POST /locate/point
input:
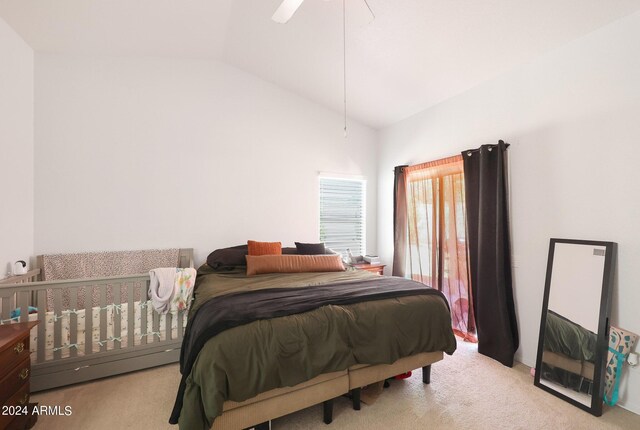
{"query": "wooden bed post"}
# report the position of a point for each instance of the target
(426, 374)
(355, 398)
(327, 411)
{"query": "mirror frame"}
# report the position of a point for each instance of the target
(602, 340)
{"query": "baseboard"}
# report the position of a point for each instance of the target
(518, 356)
(631, 407)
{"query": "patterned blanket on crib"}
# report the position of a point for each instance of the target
(99, 265)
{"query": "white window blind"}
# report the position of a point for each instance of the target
(342, 214)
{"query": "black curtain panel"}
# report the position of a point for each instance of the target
(399, 222)
(489, 247)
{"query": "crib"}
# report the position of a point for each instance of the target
(93, 327)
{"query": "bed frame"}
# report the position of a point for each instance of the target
(259, 410)
(70, 361)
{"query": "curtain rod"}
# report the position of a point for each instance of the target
(492, 145)
(468, 151)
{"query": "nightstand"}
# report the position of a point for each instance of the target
(15, 369)
(373, 268)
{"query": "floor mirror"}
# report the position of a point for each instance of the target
(574, 328)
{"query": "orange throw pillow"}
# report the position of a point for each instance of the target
(257, 265)
(264, 248)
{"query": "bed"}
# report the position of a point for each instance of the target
(260, 347)
(87, 330)
(569, 352)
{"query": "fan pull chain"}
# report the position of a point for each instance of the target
(344, 62)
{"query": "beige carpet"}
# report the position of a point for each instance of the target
(468, 391)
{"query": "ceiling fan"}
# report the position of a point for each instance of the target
(289, 7)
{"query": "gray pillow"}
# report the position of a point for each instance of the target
(310, 248)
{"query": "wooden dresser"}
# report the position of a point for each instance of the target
(374, 268)
(15, 369)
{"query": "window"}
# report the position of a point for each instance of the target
(342, 214)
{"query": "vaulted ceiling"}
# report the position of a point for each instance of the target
(415, 54)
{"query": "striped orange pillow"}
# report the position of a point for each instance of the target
(264, 248)
(257, 265)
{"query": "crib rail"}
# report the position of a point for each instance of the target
(30, 276)
(114, 336)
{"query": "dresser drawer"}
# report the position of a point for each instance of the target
(15, 353)
(15, 379)
(20, 399)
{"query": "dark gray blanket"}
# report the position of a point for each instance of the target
(232, 310)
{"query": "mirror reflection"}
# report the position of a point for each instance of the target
(569, 345)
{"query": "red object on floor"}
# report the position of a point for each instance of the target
(403, 376)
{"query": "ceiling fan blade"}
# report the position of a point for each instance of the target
(286, 10)
(373, 15)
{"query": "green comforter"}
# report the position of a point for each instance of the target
(563, 336)
(244, 361)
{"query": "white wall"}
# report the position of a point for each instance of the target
(148, 152)
(573, 119)
(16, 148)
